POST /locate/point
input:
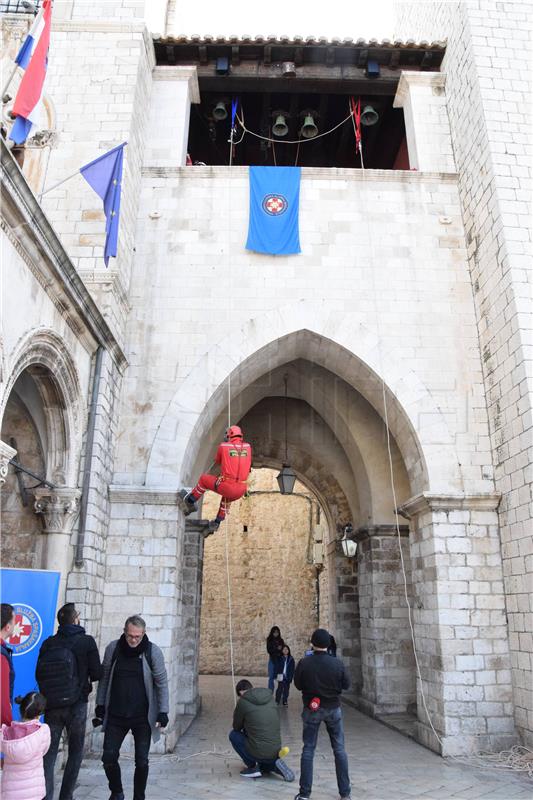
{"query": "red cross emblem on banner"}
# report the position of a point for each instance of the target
(275, 204)
(21, 630)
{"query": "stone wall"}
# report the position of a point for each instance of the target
(488, 72)
(273, 580)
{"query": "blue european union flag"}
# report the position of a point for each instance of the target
(274, 206)
(104, 174)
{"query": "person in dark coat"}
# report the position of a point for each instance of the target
(72, 717)
(285, 673)
(321, 680)
(274, 645)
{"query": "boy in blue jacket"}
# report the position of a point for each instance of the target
(285, 673)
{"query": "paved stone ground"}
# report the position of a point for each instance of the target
(384, 765)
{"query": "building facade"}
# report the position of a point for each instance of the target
(400, 330)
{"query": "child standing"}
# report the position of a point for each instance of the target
(24, 745)
(285, 667)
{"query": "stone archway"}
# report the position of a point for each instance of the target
(42, 417)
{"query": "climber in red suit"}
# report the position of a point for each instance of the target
(234, 456)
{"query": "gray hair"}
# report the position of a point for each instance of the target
(136, 621)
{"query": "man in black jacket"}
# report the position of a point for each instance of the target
(321, 678)
(66, 685)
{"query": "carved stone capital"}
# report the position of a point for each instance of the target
(6, 454)
(59, 508)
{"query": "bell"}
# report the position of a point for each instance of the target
(279, 128)
(369, 116)
(308, 130)
(219, 112)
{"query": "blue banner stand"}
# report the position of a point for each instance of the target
(33, 595)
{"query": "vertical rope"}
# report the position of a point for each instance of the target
(230, 615)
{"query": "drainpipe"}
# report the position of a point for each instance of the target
(89, 447)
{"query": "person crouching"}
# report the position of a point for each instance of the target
(256, 735)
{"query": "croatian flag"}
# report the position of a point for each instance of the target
(274, 210)
(32, 57)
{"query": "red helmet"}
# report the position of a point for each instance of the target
(234, 432)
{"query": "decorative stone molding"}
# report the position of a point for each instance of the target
(427, 501)
(59, 508)
(6, 454)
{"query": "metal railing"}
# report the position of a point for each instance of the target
(19, 6)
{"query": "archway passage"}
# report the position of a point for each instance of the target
(336, 443)
(278, 571)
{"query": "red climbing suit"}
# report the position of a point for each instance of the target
(235, 459)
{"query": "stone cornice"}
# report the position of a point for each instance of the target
(189, 74)
(432, 80)
(371, 531)
(369, 176)
(53, 269)
(143, 495)
(449, 502)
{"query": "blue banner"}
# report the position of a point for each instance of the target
(33, 595)
(274, 206)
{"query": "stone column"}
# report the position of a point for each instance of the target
(422, 97)
(388, 667)
(196, 531)
(460, 623)
(6, 454)
(174, 89)
(59, 509)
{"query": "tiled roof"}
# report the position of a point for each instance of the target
(384, 44)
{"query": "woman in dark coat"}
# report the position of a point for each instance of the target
(274, 644)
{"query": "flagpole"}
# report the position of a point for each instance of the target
(59, 183)
(6, 87)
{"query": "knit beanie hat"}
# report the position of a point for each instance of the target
(321, 638)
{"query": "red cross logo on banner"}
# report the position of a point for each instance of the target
(21, 630)
(275, 204)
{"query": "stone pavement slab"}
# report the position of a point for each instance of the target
(384, 765)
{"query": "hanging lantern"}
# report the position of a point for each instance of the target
(286, 479)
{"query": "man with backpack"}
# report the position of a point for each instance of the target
(321, 678)
(67, 666)
(132, 696)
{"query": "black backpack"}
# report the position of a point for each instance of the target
(57, 672)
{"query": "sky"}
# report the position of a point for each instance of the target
(330, 18)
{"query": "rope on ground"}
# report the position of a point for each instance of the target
(518, 759)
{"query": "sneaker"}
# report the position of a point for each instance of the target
(301, 797)
(186, 502)
(282, 769)
(251, 772)
(285, 704)
(116, 796)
